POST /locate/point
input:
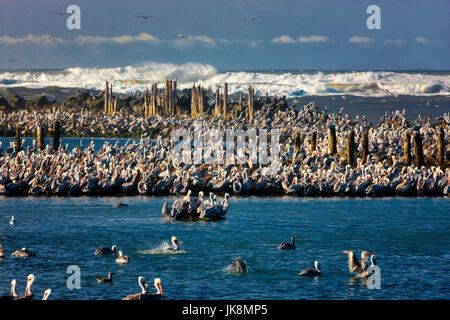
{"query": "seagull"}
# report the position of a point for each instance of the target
(145, 17)
(180, 35)
(61, 13)
(251, 18)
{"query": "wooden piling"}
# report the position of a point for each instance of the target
(241, 100)
(225, 100)
(350, 144)
(441, 146)
(313, 141)
(332, 139)
(40, 133)
(251, 95)
(407, 149)
(17, 141)
(217, 106)
(297, 143)
(56, 136)
(106, 97)
(418, 150)
(365, 146)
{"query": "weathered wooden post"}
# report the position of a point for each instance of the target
(40, 138)
(56, 136)
(193, 101)
(106, 97)
(332, 139)
(110, 101)
(241, 100)
(217, 106)
(146, 113)
(297, 143)
(174, 95)
(313, 141)
(17, 141)
(350, 152)
(251, 93)
(441, 146)
(407, 149)
(365, 146)
(115, 105)
(225, 100)
(418, 150)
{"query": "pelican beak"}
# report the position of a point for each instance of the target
(160, 287)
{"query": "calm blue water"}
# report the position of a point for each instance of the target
(410, 238)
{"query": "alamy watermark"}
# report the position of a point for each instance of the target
(208, 146)
(374, 280)
(74, 280)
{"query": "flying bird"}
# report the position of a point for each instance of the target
(145, 17)
(251, 18)
(180, 35)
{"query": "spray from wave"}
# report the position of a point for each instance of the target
(131, 79)
(163, 248)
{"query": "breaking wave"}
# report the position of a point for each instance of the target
(130, 79)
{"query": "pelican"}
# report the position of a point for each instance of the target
(2, 253)
(46, 294)
(13, 294)
(105, 280)
(159, 292)
(121, 258)
(238, 266)
(12, 221)
(28, 295)
(145, 17)
(106, 250)
(175, 244)
(355, 266)
(287, 245)
(139, 295)
(311, 272)
(120, 204)
(23, 253)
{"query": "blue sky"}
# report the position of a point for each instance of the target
(286, 34)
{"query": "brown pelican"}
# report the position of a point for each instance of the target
(355, 266)
(287, 245)
(120, 204)
(13, 294)
(105, 280)
(311, 272)
(175, 244)
(106, 250)
(139, 295)
(28, 295)
(46, 294)
(238, 266)
(23, 253)
(158, 295)
(2, 253)
(121, 258)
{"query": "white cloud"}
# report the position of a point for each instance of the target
(421, 40)
(313, 39)
(30, 38)
(398, 42)
(191, 40)
(123, 39)
(283, 39)
(357, 39)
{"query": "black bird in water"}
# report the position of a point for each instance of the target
(105, 280)
(145, 17)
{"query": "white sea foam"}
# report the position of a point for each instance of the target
(163, 248)
(290, 83)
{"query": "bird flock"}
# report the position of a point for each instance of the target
(148, 166)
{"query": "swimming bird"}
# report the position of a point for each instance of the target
(46, 294)
(105, 280)
(121, 258)
(12, 221)
(287, 245)
(355, 266)
(28, 295)
(106, 250)
(2, 253)
(120, 204)
(175, 244)
(139, 295)
(311, 272)
(23, 253)
(238, 266)
(13, 294)
(158, 295)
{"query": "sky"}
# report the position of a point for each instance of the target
(285, 34)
